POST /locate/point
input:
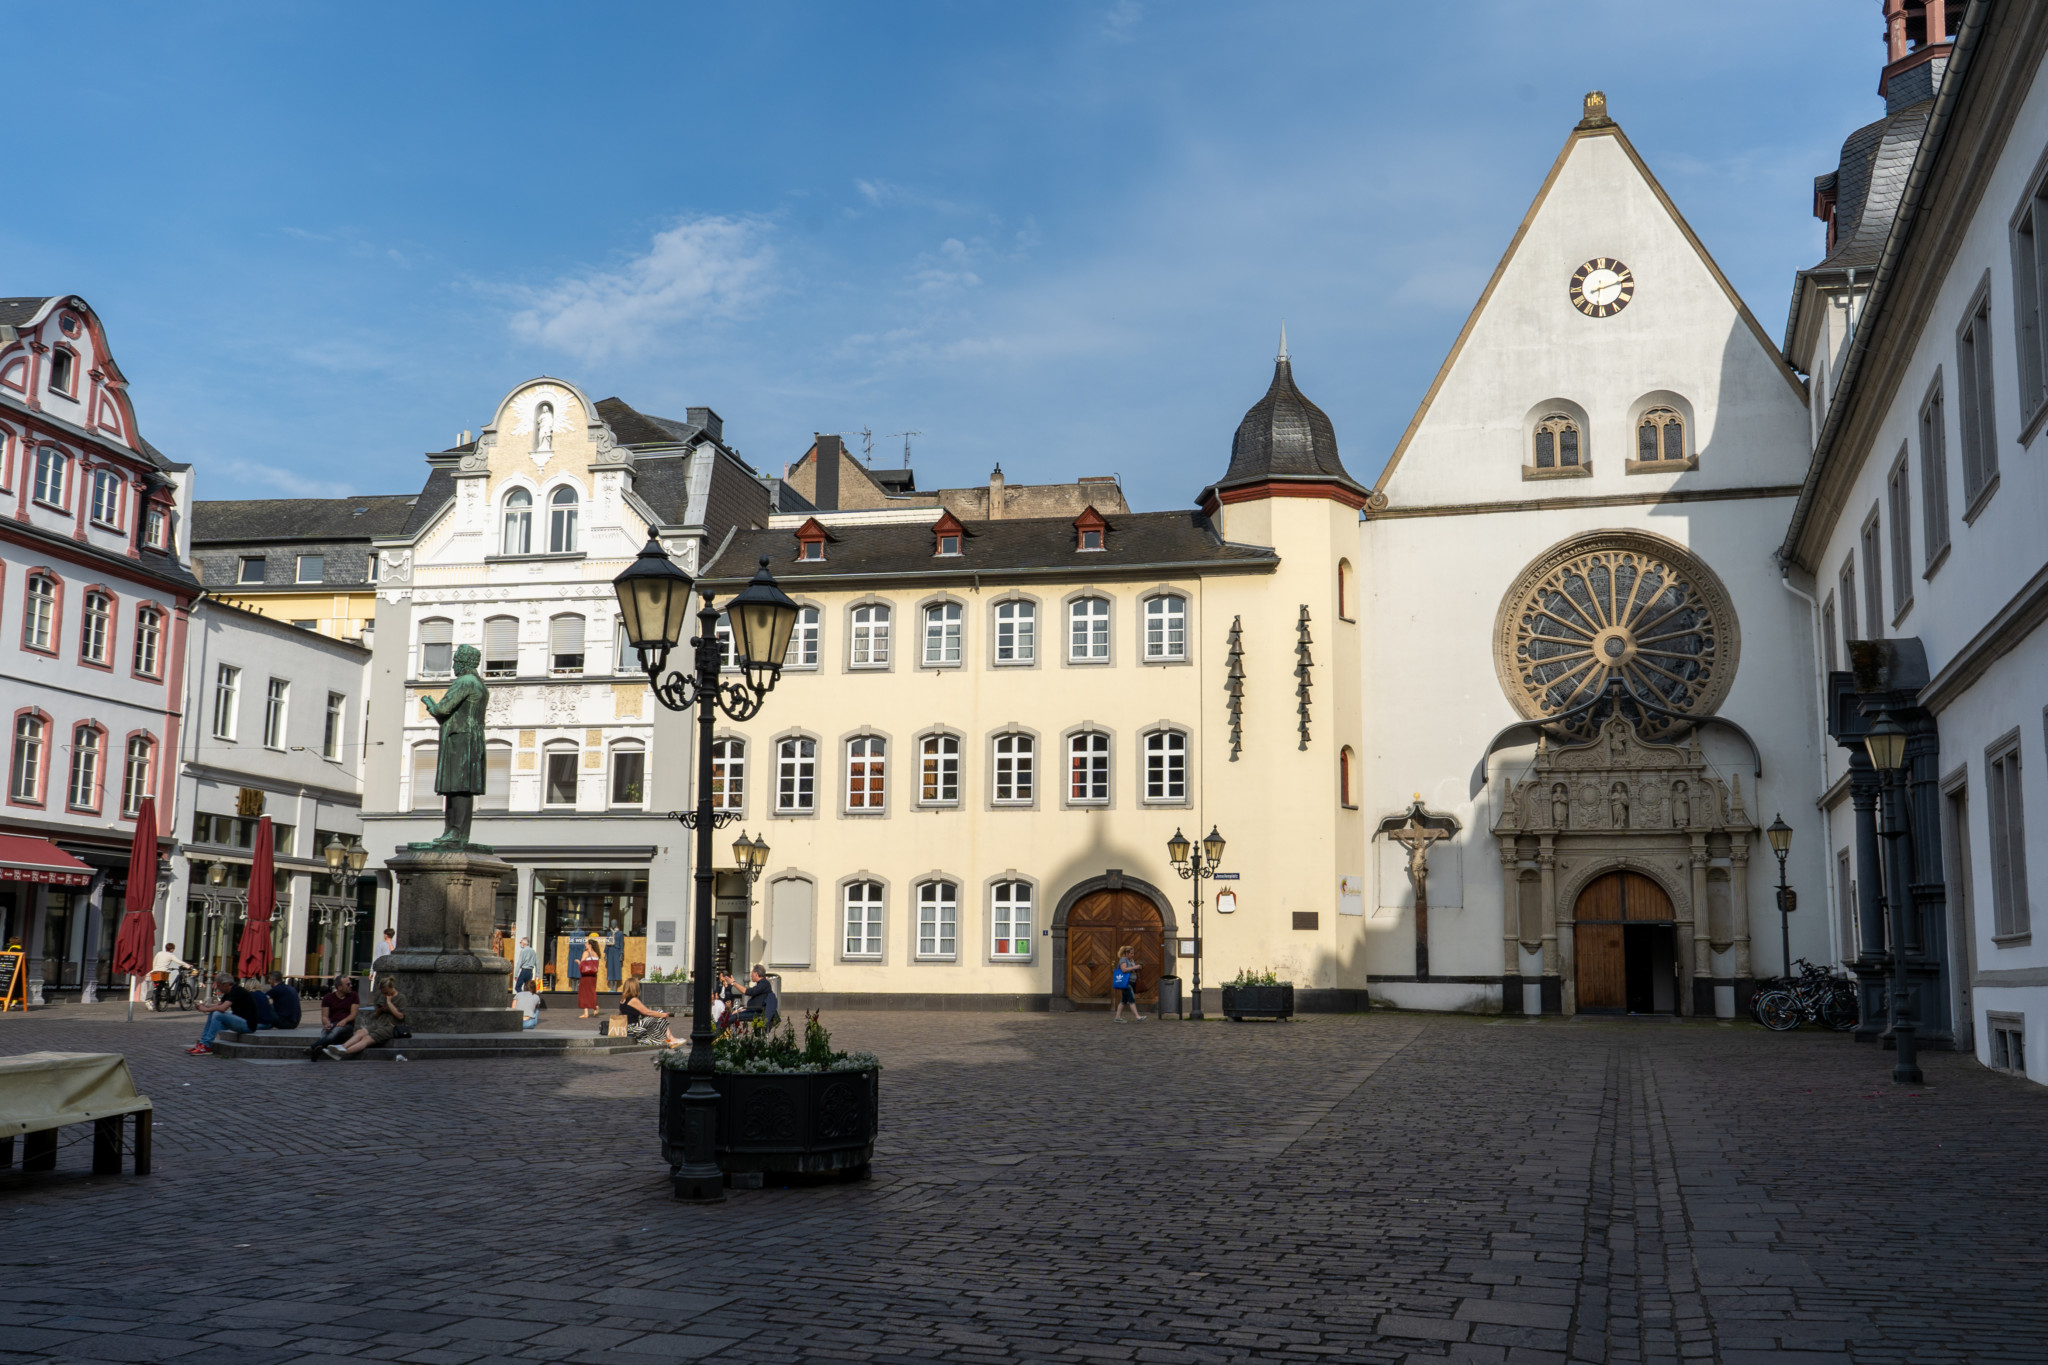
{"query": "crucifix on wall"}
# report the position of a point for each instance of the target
(1417, 830)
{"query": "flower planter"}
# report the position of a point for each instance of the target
(1271, 1002)
(673, 996)
(812, 1123)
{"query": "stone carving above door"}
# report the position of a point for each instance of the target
(1616, 605)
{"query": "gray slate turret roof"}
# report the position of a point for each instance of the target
(1285, 436)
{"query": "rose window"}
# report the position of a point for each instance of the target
(1615, 608)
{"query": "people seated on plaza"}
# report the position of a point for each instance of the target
(644, 1024)
(761, 1002)
(527, 1002)
(383, 1025)
(338, 1009)
(234, 1012)
(284, 999)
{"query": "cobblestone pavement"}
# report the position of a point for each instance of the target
(1373, 1188)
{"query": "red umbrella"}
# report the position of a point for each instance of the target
(135, 945)
(255, 955)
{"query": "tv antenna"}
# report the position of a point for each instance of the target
(867, 442)
(906, 435)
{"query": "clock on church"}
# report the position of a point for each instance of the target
(1602, 287)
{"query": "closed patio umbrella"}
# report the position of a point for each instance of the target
(135, 944)
(254, 959)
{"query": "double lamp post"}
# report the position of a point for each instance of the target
(1195, 862)
(654, 600)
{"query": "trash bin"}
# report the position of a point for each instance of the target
(1169, 996)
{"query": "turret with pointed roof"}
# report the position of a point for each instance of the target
(1284, 447)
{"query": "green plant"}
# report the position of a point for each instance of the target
(1262, 977)
(758, 1048)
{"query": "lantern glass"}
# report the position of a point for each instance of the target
(743, 852)
(763, 618)
(1780, 835)
(357, 855)
(336, 854)
(654, 599)
(1886, 741)
(760, 852)
(1177, 848)
(1212, 847)
(216, 874)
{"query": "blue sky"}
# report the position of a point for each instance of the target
(1061, 236)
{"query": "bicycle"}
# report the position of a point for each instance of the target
(1818, 995)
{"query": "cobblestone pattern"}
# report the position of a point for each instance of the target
(1057, 1187)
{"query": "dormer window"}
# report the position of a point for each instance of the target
(63, 371)
(811, 538)
(947, 534)
(153, 528)
(1090, 530)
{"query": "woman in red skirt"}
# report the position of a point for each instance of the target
(586, 986)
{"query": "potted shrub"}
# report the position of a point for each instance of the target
(1258, 993)
(668, 991)
(786, 1106)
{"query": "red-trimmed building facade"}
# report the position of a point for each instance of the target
(96, 592)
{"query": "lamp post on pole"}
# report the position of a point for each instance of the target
(654, 598)
(1886, 741)
(1195, 862)
(750, 856)
(1780, 835)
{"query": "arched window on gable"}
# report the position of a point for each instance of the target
(1557, 442)
(518, 537)
(1660, 435)
(562, 521)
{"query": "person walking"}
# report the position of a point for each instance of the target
(1123, 983)
(525, 967)
(382, 1027)
(586, 984)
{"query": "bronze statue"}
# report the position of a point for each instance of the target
(459, 774)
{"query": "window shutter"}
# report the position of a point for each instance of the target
(501, 639)
(790, 923)
(565, 635)
(437, 632)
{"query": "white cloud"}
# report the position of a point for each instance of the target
(702, 267)
(949, 269)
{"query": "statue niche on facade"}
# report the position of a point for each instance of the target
(459, 773)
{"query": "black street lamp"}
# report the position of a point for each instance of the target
(1193, 863)
(1780, 835)
(654, 597)
(1886, 741)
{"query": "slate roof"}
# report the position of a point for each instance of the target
(1038, 547)
(631, 427)
(1869, 183)
(1285, 436)
(274, 520)
(15, 312)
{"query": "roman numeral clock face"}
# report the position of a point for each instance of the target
(1602, 287)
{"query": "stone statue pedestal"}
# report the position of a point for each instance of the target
(449, 980)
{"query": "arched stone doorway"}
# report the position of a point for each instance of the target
(1097, 917)
(1625, 944)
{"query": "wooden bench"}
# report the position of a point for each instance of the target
(41, 1092)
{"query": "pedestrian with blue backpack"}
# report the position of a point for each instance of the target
(1123, 984)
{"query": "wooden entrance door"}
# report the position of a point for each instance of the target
(1609, 903)
(1098, 925)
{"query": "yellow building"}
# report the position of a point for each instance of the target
(306, 561)
(987, 731)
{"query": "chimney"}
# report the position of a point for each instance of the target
(828, 451)
(995, 494)
(710, 422)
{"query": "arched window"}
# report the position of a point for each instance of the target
(149, 636)
(85, 768)
(796, 776)
(25, 780)
(1660, 435)
(1010, 919)
(562, 521)
(1088, 630)
(1166, 766)
(1557, 442)
(1166, 627)
(136, 774)
(728, 774)
(518, 536)
(866, 761)
(939, 778)
(803, 641)
(629, 775)
(95, 628)
(942, 633)
(1088, 767)
(1014, 755)
(558, 774)
(39, 625)
(1344, 590)
(1345, 760)
(938, 920)
(1016, 632)
(871, 636)
(863, 919)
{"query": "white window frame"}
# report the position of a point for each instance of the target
(428, 669)
(942, 634)
(1012, 920)
(106, 498)
(867, 762)
(803, 639)
(1976, 402)
(562, 515)
(52, 468)
(938, 769)
(515, 535)
(1165, 617)
(135, 773)
(95, 628)
(1166, 753)
(548, 754)
(1089, 752)
(242, 566)
(149, 640)
(88, 748)
(1088, 630)
(227, 706)
(611, 785)
(1014, 756)
(2005, 808)
(1016, 633)
(1934, 475)
(330, 734)
(299, 569)
(277, 696)
(25, 763)
(1899, 524)
(860, 920)
(938, 921)
(39, 630)
(796, 775)
(868, 635)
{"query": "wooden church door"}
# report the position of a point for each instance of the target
(1099, 924)
(1607, 907)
